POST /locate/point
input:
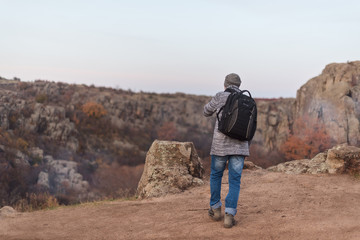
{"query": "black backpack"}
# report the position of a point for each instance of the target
(239, 115)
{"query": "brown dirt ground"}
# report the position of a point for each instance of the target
(271, 206)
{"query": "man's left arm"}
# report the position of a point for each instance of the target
(212, 106)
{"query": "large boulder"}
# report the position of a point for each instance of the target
(339, 159)
(170, 167)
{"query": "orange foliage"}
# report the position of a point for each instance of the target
(167, 131)
(92, 109)
(22, 145)
(309, 138)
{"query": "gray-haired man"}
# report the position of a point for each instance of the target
(225, 149)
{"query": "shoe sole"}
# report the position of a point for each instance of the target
(228, 226)
(216, 218)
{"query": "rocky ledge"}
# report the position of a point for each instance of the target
(339, 159)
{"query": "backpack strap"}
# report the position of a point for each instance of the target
(246, 91)
(229, 90)
(217, 114)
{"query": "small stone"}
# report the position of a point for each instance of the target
(7, 212)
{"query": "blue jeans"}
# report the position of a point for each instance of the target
(218, 163)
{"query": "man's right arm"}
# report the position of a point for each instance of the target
(212, 106)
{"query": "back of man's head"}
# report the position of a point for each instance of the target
(232, 79)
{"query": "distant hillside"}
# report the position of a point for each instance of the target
(46, 125)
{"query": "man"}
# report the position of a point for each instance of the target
(225, 149)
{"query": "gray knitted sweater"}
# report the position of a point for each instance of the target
(223, 145)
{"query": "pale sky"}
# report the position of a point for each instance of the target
(177, 46)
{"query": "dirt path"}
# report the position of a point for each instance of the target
(271, 206)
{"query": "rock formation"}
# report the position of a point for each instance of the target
(275, 118)
(250, 165)
(339, 159)
(52, 122)
(333, 97)
(62, 175)
(170, 167)
(7, 211)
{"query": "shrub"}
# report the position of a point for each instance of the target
(309, 138)
(38, 201)
(41, 98)
(22, 145)
(95, 110)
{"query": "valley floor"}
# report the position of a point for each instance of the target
(271, 206)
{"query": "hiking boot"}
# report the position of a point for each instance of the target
(215, 214)
(229, 220)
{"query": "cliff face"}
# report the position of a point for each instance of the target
(275, 118)
(333, 97)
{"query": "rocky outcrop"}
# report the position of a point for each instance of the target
(52, 122)
(170, 167)
(250, 165)
(62, 175)
(22, 112)
(275, 118)
(339, 159)
(343, 159)
(333, 97)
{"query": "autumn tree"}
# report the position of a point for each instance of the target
(92, 109)
(309, 137)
